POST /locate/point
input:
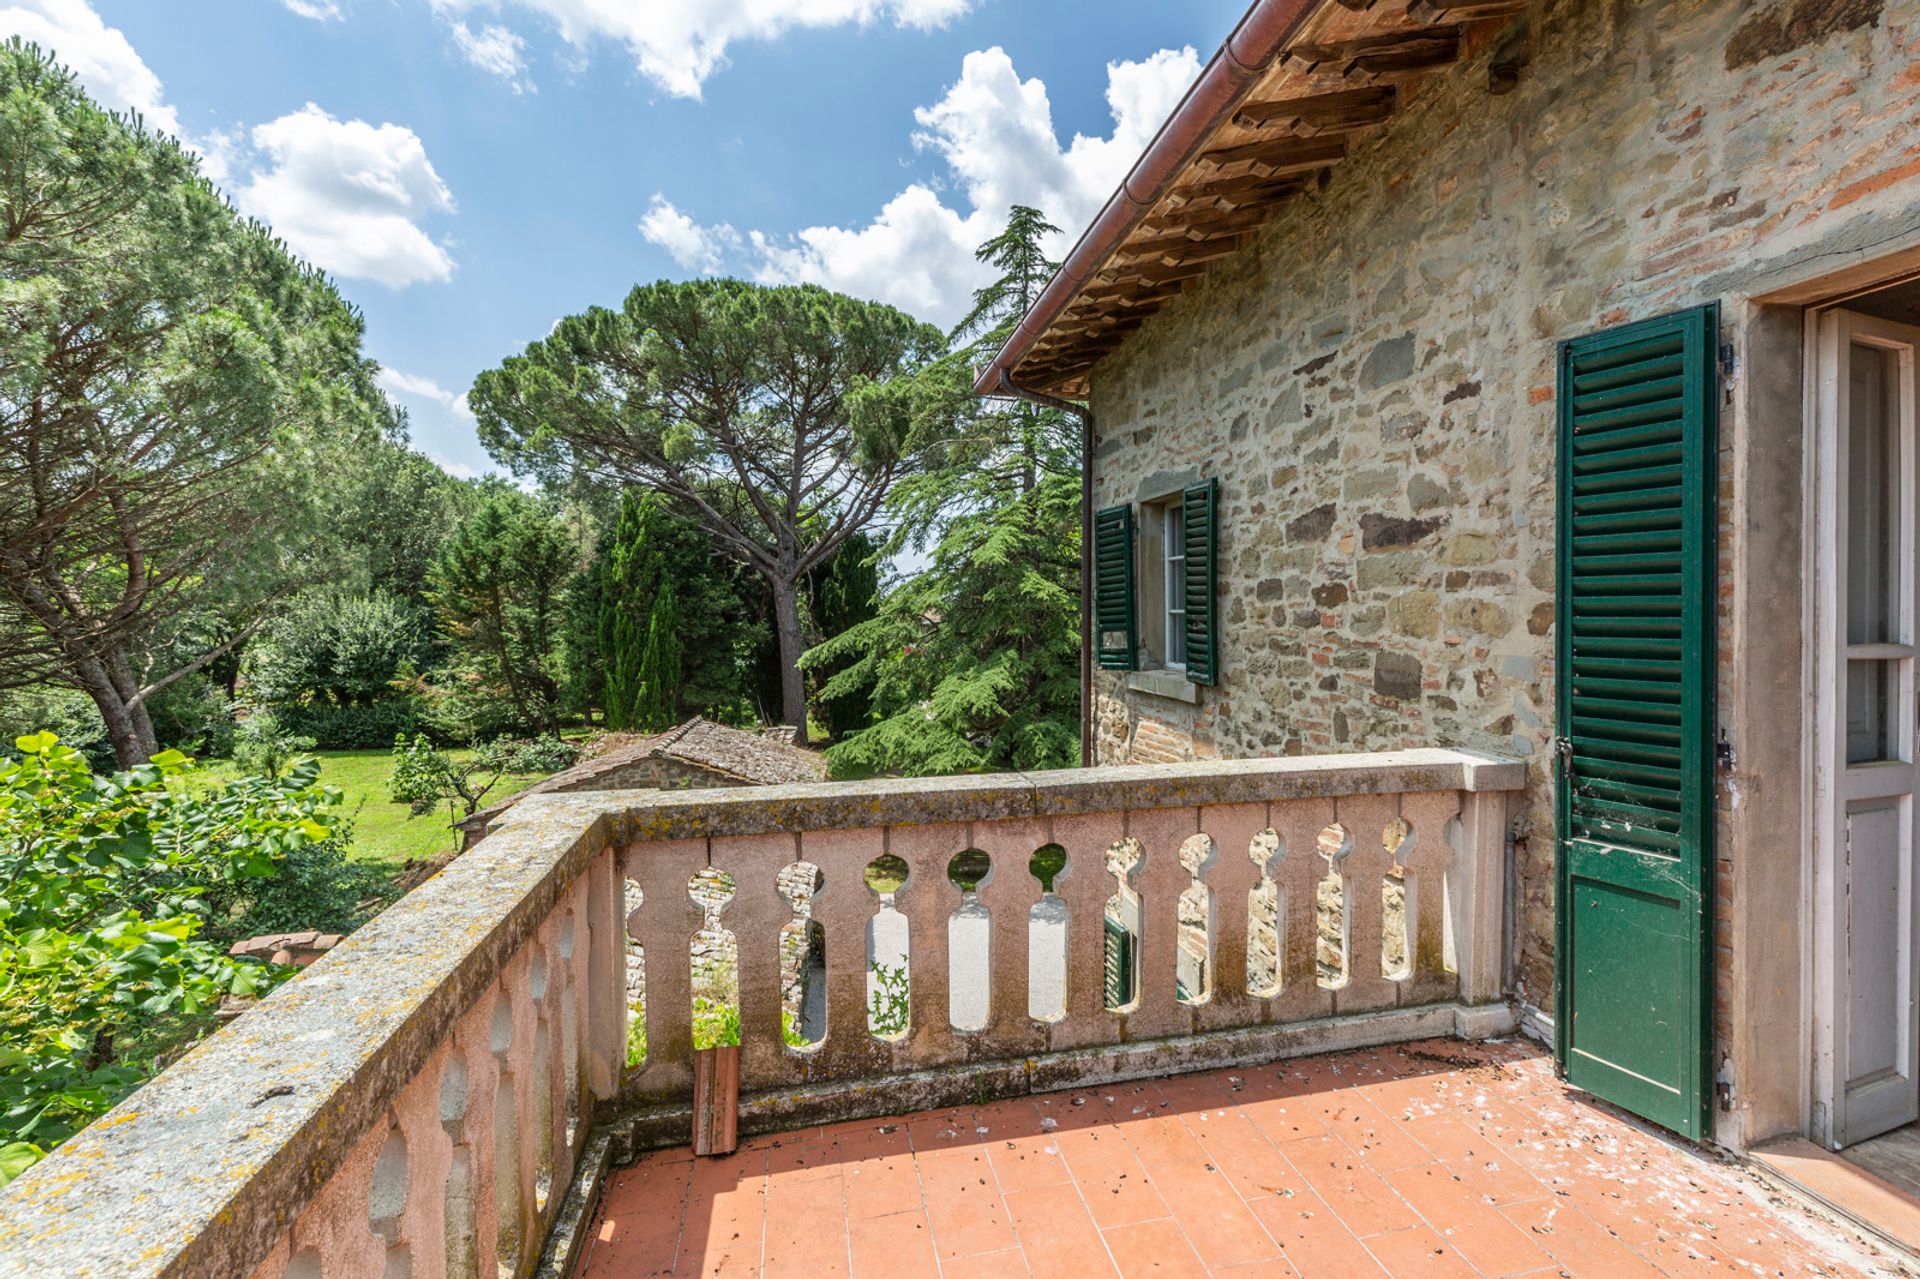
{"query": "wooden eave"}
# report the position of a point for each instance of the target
(1349, 67)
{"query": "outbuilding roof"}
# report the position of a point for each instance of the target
(734, 754)
(1286, 98)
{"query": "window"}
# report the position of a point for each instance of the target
(1174, 540)
(1177, 583)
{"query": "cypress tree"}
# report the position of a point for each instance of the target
(657, 693)
(633, 574)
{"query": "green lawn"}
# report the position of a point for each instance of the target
(382, 830)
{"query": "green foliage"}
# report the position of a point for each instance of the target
(193, 715)
(176, 393)
(263, 747)
(104, 961)
(846, 593)
(400, 506)
(636, 1038)
(317, 886)
(720, 622)
(974, 662)
(632, 568)
(716, 1024)
(733, 400)
(583, 668)
(498, 584)
(424, 776)
(542, 755)
(889, 1007)
(353, 727)
(67, 713)
(334, 649)
(657, 682)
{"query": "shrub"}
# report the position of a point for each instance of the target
(104, 968)
(540, 755)
(425, 776)
(347, 728)
(193, 715)
(67, 713)
(336, 650)
(316, 886)
(262, 747)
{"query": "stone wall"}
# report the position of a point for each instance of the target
(1372, 378)
(658, 774)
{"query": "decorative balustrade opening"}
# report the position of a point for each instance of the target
(1047, 937)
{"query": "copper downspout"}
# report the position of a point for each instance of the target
(1265, 29)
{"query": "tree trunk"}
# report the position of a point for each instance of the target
(793, 688)
(128, 726)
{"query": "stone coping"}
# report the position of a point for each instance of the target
(203, 1170)
(760, 810)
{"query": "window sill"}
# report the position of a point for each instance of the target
(1168, 684)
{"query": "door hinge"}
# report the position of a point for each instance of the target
(1563, 755)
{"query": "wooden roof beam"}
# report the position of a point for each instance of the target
(1183, 248)
(1378, 59)
(1131, 294)
(1198, 222)
(1152, 272)
(1336, 112)
(1279, 157)
(1463, 10)
(1247, 189)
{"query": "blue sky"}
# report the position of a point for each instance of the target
(471, 170)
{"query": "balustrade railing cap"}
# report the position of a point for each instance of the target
(682, 814)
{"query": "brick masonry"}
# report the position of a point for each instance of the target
(1372, 378)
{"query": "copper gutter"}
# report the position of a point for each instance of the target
(1266, 28)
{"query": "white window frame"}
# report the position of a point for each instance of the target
(1173, 565)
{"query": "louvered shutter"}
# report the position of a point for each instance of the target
(1636, 537)
(1114, 634)
(1199, 514)
(1118, 948)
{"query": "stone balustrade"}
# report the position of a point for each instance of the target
(422, 1100)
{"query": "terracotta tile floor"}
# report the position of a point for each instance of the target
(1420, 1161)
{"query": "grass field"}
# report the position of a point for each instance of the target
(382, 830)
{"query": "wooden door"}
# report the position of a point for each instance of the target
(1866, 424)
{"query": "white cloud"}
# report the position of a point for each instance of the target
(98, 54)
(696, 248)
(995, 133)
(349, 195)
(408, 386)
(318, 10)
(439, 423)
(495, 50)
(678, 44)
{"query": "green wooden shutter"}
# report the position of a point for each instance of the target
(1119, 962)
(1634, 782)
(1114, 631)
(1199, 512)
